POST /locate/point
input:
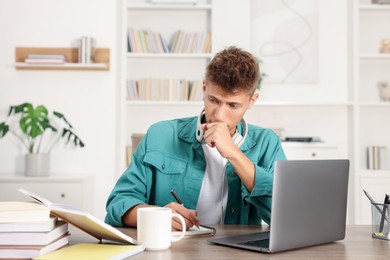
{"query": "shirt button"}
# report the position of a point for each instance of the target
(233, 209)
(163, 166)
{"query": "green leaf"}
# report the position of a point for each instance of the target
(61, 116)
(70, 134)
(34, 121)
(4, 128)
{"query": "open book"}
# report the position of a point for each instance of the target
(82, 220)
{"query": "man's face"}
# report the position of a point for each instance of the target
(228, 108)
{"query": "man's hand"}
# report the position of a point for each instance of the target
(188, 215)
(218, 135)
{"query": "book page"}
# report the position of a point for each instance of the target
(36, 197)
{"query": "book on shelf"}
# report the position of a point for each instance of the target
(20, 211)
(29, 226)
(86, 46)
(34, 238)
(207, 43)
(46, 56)
(196, 92)
(146, 41)
(150, 41)
(151, 89)
(132, 90)
(30, 251)
(45, 59)
(93, 251)
(190, 42)
(82, 220)
(137, 40)
(177, 45)
(159, 42)
(173, 41)
(164, 43)
(141, 36)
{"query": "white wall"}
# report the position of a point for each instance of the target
(87, 98)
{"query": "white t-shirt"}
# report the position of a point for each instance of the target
(212, 200)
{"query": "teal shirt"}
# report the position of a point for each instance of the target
(170, 157)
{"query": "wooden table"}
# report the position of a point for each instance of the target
(358, 244)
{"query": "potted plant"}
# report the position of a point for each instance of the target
(32, 127)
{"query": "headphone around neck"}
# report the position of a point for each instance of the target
(238, 139)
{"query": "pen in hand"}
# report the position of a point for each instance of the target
(177, 198)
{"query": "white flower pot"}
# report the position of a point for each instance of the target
(37, 165)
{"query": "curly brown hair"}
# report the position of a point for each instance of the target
(233, 69)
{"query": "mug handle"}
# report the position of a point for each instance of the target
(183, 224)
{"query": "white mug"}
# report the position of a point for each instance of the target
(154, 227)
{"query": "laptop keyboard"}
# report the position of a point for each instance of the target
(264, 243)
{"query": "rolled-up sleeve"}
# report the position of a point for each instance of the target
(129, 191)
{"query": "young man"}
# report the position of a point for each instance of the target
(220, 167)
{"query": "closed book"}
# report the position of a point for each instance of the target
(131, 40)
(44, 61)
(141, 35)
(94, 251)
(137, 41)
(34, 238)
(37, 226)
(19, 211)
(29, 251)
(46, 56)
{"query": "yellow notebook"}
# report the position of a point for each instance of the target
(93, 251)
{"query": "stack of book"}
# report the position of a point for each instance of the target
(28, 230)
(45, 59)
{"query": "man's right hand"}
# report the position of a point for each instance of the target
(188, 215)
(130, 217)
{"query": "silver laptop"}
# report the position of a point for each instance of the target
(309, 207)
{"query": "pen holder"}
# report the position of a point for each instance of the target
(380, 220)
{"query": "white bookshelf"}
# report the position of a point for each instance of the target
(370, 23)
(164, 19)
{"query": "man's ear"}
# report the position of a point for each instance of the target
(254, 97)
(204, 85)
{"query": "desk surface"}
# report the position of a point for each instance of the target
(358, 244)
